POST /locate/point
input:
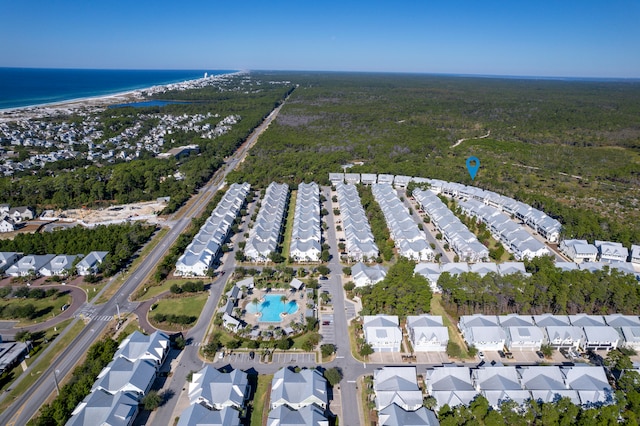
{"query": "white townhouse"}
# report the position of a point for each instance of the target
(612, 251)
(579, 250)
(635, 254)
(427, 333)
(382, 332)
(397, 385)
(91, 262)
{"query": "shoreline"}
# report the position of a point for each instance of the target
(31, 111)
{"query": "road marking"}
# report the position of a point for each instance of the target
(351, 381)
(339, 357)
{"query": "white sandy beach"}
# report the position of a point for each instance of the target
(74, 105)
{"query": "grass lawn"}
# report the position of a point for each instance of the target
(260, 409)
(93, 289)
(117, 283)
(189, 305)
(353, 343)
(45, 309)
(44, 362)
(286, 242)
(449, 322)
(153, 291)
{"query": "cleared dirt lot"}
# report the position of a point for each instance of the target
(118, 213)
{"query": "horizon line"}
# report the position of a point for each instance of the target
(426, 73)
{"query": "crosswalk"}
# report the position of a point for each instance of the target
(104, 318)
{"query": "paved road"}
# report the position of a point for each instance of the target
(25, 406)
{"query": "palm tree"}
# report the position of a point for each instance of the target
(284, 299)
(255, 302)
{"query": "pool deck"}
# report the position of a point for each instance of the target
(253, 319)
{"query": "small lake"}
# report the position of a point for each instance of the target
(145, 104)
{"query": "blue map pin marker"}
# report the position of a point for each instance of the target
(473, 164)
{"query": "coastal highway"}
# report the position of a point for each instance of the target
(27, 405)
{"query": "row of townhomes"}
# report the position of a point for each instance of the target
(426, 333)
(360, 244)
(454, 232)
(266, 232)
(432, 271)
(217, 398)
(546, 226)
(581, 251)
(458, 385)
(398, 398)
(513, 237)
(563, 332)
(410, 241)
(298, 398)
(201, 253)
(306, 242)
(12, 217)
(121, 385)
(16, 265)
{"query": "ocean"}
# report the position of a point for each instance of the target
(20, 87)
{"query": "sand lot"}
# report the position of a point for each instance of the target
(118, 213)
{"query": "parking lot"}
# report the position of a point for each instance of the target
(327, 329)
(306, 358)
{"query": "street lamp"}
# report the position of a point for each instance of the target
(55, 379)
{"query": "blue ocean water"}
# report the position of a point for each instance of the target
(21, 87)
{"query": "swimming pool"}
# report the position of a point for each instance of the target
(271, 308)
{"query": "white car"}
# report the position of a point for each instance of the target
(481, 355)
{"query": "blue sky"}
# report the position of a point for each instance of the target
(518, 37)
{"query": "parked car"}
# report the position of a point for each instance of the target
(481, 355)
(501, 353)
(540, 354)
(252, 355)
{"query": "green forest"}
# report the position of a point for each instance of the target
(401, 292)
(571, 148)
(547, 290)
(121, 241)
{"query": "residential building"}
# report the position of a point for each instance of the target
(122, 375)
(199, 415)
(610, 251)
(579, 250)
(427, 333)
(217, 390)
(564, 336)
(267, 229)
(363, 275)
(102, 408)
(7, 259)
(524, 338)
(153, 347)
(91, 262)
(394, 415)
(397, 385)
(450, 385)
(382, 332)
(306, 235)
(298, 390)
(29, 265)
(546, 383)
(60, 265)
(499, 384)
(309, 415)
